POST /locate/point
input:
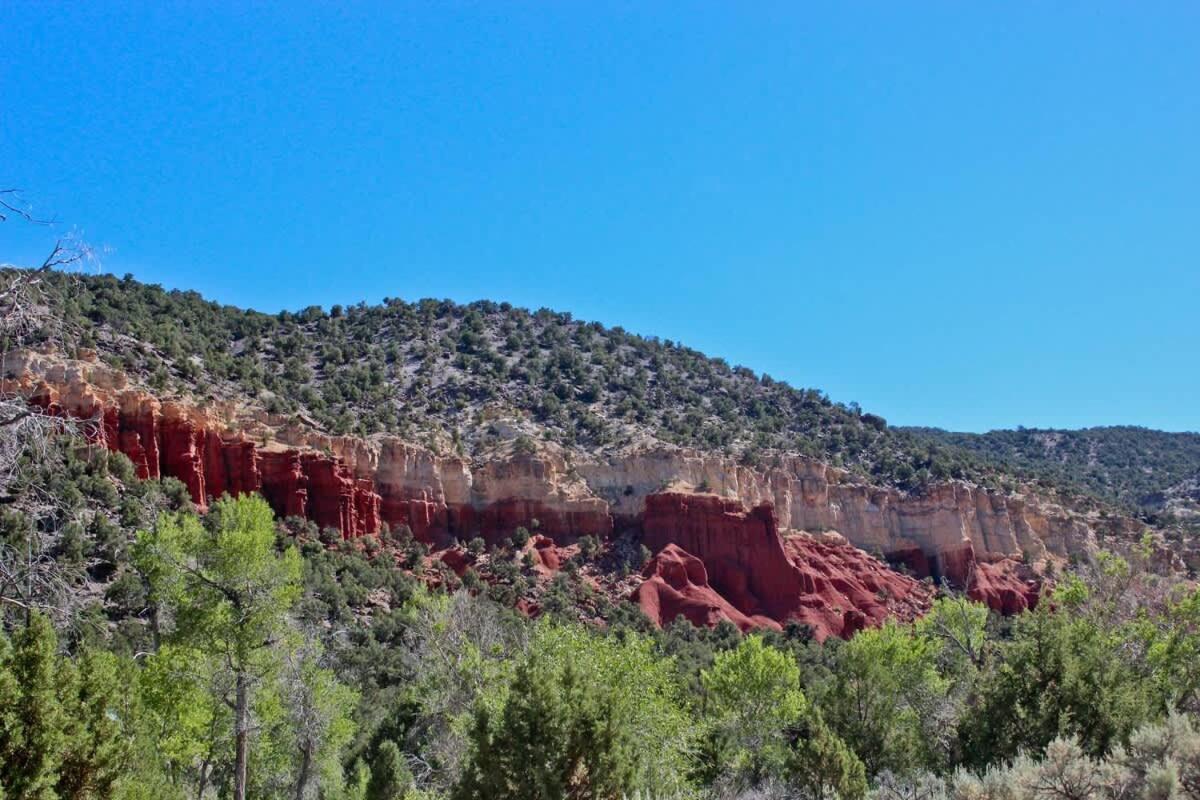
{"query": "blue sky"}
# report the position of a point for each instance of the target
(971, 215)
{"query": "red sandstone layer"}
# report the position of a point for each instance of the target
(747, 566)
(747, 572)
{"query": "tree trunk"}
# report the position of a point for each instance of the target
(304, 776)
(242, 737)
(203, 782)
(155, 628)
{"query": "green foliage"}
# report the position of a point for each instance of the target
(883, 695)
(224, 583)
(102, 717)
(752, 694)
(461, 697)
(959, 627)
(574, 722)
(230, 655)
(69, 728)
(317, 722)
(391, 779)
(1172, 650)
(184, 696)
(1061, 675)
(1136, 467)
(86, 531)
(520, 537)
(431, 367)
(762, 726)
(820, 764)
(239, 617)
(1161, 761)
(33, 719)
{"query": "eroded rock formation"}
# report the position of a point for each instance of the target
(746, 566)
(676, 584)
(745, 525)
(1007, 586)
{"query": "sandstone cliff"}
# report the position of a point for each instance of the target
(356, 485)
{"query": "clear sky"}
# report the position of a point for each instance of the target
(971, 215)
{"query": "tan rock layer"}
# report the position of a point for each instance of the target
(356, 484)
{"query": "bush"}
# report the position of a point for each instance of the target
(520, 537)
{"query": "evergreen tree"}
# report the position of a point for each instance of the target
(820, 764)
(1062, 675)
(391, 778)
(229, 592)
(32, 720)
(68, 726)
(100, 707)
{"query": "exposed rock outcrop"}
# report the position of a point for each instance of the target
(1006, 586)
(835, 588)
(697, 501)
(676, 584)
(927, 531)
(167, 438)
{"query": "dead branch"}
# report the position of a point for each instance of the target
(8, 200)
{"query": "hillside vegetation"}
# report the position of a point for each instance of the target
(443, 373)
(467, 377)
(160, 654)
(148, 651)
(1154, 471)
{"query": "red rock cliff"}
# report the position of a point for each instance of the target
(766, 580)
(173, 440)
(758, 566)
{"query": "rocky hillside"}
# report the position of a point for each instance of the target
(1147, 470)
(463, 378)
(755, 502)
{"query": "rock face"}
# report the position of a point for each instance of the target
(1005, 586)
(741, 549)
(834, 588)
(676, 584)
(444, 497)
(168, 439)
(742, 523)
(927, 531)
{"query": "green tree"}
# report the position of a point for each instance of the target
(959, 626)
(68, 727)
(32, 719)
(229, 592)
(752, 694)
(1062, 675)
(575, 722)
(884, 695)
(101, 710)
(764, 727)
(1172, 647)
(184, 692)
(820, 764)
(391, 778)
(317, 719)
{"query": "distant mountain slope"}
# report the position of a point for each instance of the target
(1150, 470)
(463, 376)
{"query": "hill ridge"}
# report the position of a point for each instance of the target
(467, 378)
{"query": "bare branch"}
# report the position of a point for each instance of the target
(8, 200)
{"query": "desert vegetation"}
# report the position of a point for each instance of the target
(152, 652)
